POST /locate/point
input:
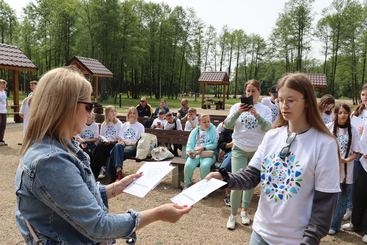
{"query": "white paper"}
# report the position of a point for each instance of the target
(104, 139)
(357, 122)
(195, 193)
(153, 173)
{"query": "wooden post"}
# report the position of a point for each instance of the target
(95, 89)
(224, 96)
(202, 88)
(17, 118)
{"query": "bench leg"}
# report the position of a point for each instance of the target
(177, 176)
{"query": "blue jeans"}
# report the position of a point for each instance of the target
(118, 154)
(341, 206)
(256, 239)
(226, 164)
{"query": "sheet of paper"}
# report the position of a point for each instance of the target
(357, 122)
(195, 193)
(153, 173)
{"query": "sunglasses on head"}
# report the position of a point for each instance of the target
(88, 105)
(285, 151)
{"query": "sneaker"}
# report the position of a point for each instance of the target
(227, 201)
(119, 175)
(231, 223)
(245, 218)
(332, 232)
(102, 173)
(2, 143)
(364, 238)
(347, 214)
(348, 227)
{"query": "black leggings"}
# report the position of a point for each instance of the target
(2, 125)
(100, 156)
(359, 214)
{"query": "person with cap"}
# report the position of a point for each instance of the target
(173, 123)
(144, 109)
(159, 122)
(272, 103)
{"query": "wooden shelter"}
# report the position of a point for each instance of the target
(91, 68)
(217, 79)
(318, 81)
(13, 59)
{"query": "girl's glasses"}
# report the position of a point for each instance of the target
(88, 105)
(285, 151)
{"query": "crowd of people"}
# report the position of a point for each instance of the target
(309, 159)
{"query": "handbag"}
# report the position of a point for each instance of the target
(161, 153)
(207, 153)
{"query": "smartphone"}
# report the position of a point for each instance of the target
(247, 100)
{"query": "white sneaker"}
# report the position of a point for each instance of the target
(364, 238)
(245, 218)
(231, 223)
(102, 173)
(348, 227)
(347, 214)
(332, 232)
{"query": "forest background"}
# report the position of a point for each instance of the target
(159, 51)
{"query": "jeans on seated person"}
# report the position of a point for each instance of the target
(341, 207)
(118, 154)
(226, 164)
(256, 239)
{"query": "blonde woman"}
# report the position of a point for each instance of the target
(126, 146)
(58, 199)
(110, 133)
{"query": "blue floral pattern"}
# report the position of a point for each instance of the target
(110, 132)
(343, 143)
(129, 134)
(248, 120)
(87, 134)
(280, 180)
(274, 112)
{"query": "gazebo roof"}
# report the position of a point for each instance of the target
(90, 66)
(318, 80)
(11, 57)
(214, 78)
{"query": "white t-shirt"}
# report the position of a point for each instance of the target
(168, 125)
(3, 102)
(274, 107)
(25, 110)
(327, 118)
(363, 115)
(343, 138)
(364, 147)
(111, 131)
(131, 132)
(90, 131)
(191, 125)
(247, 134)
(155, 122)
(287, 187)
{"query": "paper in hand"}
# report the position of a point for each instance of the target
(195, 193)
(153, 173)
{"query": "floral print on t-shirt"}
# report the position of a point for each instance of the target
(87, 134)
(129, 134)
(343, 143)
(248, 120)
(110, 132)
(280, 180)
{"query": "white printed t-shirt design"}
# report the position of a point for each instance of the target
(131, 132)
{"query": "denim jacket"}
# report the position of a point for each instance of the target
(57, 194)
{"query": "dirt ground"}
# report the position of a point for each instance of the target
(205, 224)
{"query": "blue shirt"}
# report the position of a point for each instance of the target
(57, 194)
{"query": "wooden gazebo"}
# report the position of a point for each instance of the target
(91, 68)
(13, 59)
(318, 81)
(213, 78)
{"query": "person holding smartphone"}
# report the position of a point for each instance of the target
(249, 121)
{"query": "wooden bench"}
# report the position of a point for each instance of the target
(173, 137)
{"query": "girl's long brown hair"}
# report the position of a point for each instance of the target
(361, 106)
(300, 83)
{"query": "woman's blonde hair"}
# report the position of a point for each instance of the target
(106, 111)
(54, 105)
(300, 83)
(131, 110)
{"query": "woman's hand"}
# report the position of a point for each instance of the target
(243, 108)
(123, 183)
(171, 212)
(252, 110)
(215, 175)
